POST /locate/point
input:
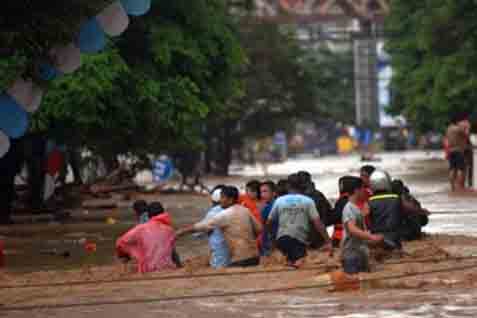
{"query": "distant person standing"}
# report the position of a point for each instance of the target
(457, 138)
(365, 141)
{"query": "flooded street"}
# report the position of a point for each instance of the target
(424, 173)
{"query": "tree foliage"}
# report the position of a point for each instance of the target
(433, 45)
(30, 29)
(285, 82)
(149, 92)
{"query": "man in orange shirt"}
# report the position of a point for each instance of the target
(251, 199)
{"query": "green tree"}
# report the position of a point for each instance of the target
(433, 47)
(285, 82)
(149, 92)
(31, 28)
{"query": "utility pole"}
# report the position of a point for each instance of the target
(365, 75)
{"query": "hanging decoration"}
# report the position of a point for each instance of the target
(24, 96)
(48, 72)
(13, 119)
(26, 93)
(91, 38)
(67, 58)
(136, 7)
(114, 19)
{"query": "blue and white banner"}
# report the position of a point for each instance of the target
(162, 170)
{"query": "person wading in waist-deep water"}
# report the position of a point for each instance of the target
(294, 212)
(322, 205)
(414, 217)
(355, 252)
(268, 195)
(385, 210)
(239, 227)
(251, 199)
(344, 186)
(152, 244)
(219, 250)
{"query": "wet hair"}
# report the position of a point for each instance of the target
(140, 207)
(254, 186)
(368, 169)
(231, 192)
(270, 184)
(282, 187)
(354, 183)
(295, 182)
(304, 175)
(344, 184)
(306, 181)
(155, 208)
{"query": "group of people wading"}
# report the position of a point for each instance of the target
(291, 216)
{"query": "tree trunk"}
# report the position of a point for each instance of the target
(111, 163)
(74, 156)
(208, 153)
(225, 154)
(10, 165)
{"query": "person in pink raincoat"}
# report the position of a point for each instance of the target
(152, 244)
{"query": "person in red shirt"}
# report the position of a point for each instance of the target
(152, 244)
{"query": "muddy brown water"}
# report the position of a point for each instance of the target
(33, 247)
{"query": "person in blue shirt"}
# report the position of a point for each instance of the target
(296, 214)
(219, 250)
(268, 195)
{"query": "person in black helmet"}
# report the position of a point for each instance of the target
(385, 210)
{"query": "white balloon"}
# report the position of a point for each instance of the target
(67, 58)
(26, 93)
(49, 188)
(143, 178)
(4, 144)
(114, 19)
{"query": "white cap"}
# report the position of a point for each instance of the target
(215, 196)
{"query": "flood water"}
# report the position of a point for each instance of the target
(425, 174)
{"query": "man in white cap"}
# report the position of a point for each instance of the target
(219, 250)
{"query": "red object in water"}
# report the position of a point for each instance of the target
(2, 255)
(90, 247)
(55, 162)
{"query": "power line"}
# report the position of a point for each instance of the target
(220, 295)
(160, 278)
(209, 275)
